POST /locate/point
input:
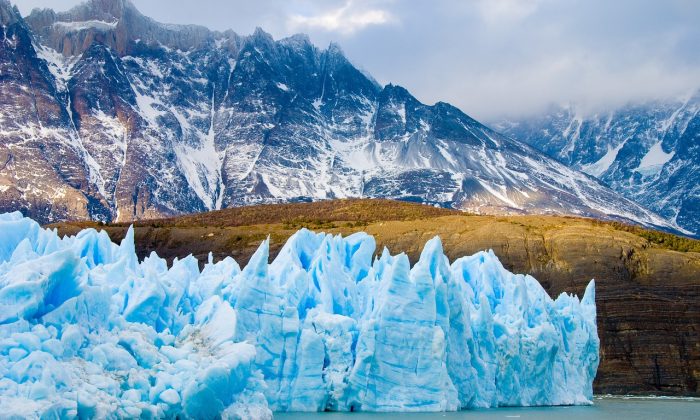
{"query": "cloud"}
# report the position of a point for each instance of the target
(346, 19)
(498, 11)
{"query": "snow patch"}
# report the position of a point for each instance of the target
(86, 24)
(401, 110)
(598, 168)
(202, 166)
(501, 195)
(60, 67)
(146, 109)
(654, 160)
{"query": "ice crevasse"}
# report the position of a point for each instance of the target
(88, 330)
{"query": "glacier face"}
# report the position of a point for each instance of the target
(86, 329)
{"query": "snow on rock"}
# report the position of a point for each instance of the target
(654, 160)
(85, 25)
(87, 330)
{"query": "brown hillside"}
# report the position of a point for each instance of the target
(648, 292)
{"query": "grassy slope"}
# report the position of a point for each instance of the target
(648, 283)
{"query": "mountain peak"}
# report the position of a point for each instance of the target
(297, 40)
(260, 35)
(393, 89)
(120, 19)
(108, 11)
(260, 39)
(8, 13)
(335, 49)
(335, 55)
(107, 8)
(395, 93)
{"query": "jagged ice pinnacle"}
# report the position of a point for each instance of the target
(88, 330)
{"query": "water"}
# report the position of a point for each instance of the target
(607, 408)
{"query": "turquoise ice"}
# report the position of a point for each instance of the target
(88, 330)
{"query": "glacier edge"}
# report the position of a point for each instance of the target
(88, 330)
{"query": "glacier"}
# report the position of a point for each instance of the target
(88, 330)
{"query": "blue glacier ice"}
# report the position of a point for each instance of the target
(88, 330)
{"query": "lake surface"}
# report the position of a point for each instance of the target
(612, 408)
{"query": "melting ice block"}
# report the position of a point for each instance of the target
(88, 330)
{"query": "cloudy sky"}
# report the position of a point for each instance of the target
(492, 58)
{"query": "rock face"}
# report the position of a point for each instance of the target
(109, 115)
(114, 23)
(42, 159)
(647, 151)
(646, 296)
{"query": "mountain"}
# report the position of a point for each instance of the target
(109, 115)
(647, 151)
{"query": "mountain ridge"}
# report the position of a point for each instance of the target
(644, 150)
(141, 129)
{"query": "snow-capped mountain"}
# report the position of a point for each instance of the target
(650, 152)
(107, 114)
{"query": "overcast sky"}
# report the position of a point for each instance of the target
(491, 58)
